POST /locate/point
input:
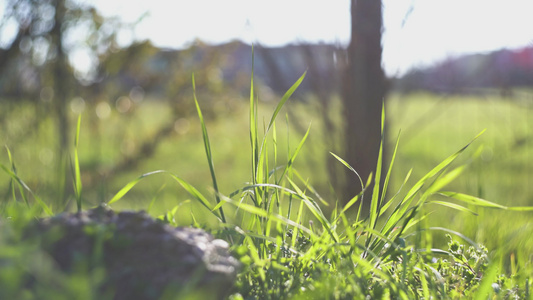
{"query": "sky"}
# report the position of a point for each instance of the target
(416, 33)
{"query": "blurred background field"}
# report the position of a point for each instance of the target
(138, 115)
(432, 127)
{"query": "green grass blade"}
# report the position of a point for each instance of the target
(482, 202)
(472, 200)
(295, 154)
(284, 99)
(464, 237)
(208, 152)
(271, 201)
(444, 180)
(152, 202)
(262, 185)
(374, 202)
(263, 157)
(12, 183)
(262, 213)
(77, 172)
(349, 167)
(370, 269)
(408, 199)
(310, 188)
(391, 200)
(261, 174)
(520, 208)
(22, 184)
(195, 193)
(254, 140)
(350, 233)
(384, 206)
(346, 207)
(298, 221)
(316, 211)
(424, 283)
(275, 145)
(185, 185)
(454, 206)
(254, 253)
(123, 191)
(219, 205)
(42, 204)
(444, 164)
(485, 289)
(415, 222)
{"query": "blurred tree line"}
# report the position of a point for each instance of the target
(501, 71)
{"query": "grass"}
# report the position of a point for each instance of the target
(286, 258)
(293, 248)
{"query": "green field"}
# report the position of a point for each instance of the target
(432, 127)
(435, 126)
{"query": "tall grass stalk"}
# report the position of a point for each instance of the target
(209, 155)
(76, 167)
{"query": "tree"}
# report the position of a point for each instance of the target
(363, 94)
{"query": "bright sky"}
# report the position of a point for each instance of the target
(416, 33)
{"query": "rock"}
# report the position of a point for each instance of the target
(143, 258)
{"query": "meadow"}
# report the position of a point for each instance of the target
(502, 172)
(433, 127)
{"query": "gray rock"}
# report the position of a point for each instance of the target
(142, 257)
